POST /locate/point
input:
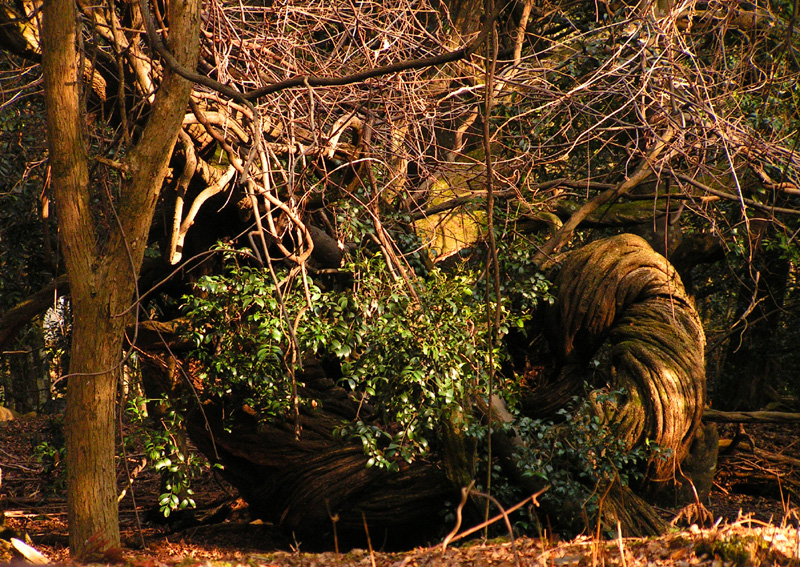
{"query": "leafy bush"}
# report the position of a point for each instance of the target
(581, 456)
(418, 358)
(165, 448)
(415, 361)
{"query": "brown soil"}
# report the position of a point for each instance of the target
(754, 520)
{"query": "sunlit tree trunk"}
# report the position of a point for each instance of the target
(103, 262)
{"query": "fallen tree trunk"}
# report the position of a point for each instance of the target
(717, 416)
(316, 484)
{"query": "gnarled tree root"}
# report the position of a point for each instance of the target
(622, 316)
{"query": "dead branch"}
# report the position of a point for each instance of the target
(363, 76)
(718, 416)
(777, 458)
(731, 197)
(645, 170)
(178, 237)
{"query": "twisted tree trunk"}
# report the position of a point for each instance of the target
(622, 318)
(316, 486)
(619, 304)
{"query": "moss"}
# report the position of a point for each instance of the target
(740, 550)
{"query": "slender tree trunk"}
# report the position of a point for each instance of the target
(103, 262)
(89, 423)
(90, 427)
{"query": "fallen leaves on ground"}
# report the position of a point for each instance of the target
(33, 500)
(742, 543)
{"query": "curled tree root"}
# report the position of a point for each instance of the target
(622, 310)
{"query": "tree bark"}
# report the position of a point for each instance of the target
(103, 263)
(89, 419)
(621, 305)
(316, 486)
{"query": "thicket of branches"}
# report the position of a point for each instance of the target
(704, 91)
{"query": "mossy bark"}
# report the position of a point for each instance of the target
(623, 321)
(620, 298)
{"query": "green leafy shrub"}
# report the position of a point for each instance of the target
(417, 358)
(51, 456)
(166, 450)
(581, 456)
(416, 361)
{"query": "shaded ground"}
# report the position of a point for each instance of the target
(753, 503)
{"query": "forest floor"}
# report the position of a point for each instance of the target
(755, 519)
